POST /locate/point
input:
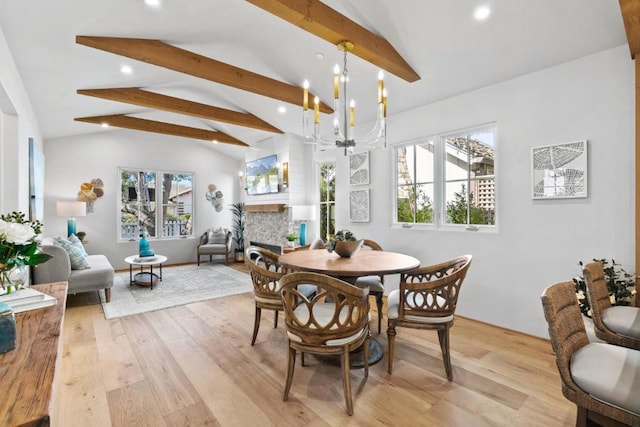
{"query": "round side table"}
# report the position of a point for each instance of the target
(145, 278)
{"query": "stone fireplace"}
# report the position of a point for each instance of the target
(267, 224)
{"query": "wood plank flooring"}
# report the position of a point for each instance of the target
(193, 365)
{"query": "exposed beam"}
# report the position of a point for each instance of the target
(128, 122)
(631, 17)
(164, 55)
(319, 19)
(136, 96)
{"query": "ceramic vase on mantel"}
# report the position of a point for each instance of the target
(13, 279)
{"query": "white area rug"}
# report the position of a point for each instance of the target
(180, 285)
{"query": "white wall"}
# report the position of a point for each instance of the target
(72, 161)
(537, 242)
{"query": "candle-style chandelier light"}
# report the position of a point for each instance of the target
(344, 113)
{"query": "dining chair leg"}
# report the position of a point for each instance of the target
(291, 362)
(366, 354)
(379, 305)
(346, 382)
(302, 358)
(275, 320)
(256, 324)
(443, 337)
(391, 339)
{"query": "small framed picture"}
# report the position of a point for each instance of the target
(359, 205)
(359, 168)
(559, 171)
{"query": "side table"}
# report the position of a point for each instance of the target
(145, 278)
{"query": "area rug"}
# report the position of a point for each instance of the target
(180, 285)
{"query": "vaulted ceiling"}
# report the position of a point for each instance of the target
(220, 69)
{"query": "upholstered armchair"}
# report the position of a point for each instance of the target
(215, 241)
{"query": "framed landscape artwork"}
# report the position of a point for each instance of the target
(559, 171)
(359, 205)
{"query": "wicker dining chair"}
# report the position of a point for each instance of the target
(266, 272)
(618, 325)
(427, 299)
(601, 379)
(375, 282)
(334, 322)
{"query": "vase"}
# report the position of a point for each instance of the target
(13, 279)
(346, 249)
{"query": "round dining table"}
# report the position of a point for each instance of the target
(363, 263)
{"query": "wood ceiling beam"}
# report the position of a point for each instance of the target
(165, 55)
(128, 122)
(631, 17)
(326, 23)
(137, 96)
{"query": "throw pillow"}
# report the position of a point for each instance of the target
(78, 243)
(77, 259)
(217, 236)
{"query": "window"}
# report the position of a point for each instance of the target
(327, 200)
(447, 179)
(139, 211)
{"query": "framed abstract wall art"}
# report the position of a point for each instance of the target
(359, 168)
(359, 205)
(559, 171)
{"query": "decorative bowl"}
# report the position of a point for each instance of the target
(347, 248)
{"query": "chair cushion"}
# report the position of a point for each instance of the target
(217, 236)
(373, 282)
(393, 302)
(608, 373)
(77, 256)
(213, 249)
(623, 320)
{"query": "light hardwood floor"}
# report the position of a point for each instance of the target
(194, 366)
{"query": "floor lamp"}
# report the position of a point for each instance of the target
(71, 210)
(303, 213)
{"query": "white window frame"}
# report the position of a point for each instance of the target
(159, 220)
(439, 190)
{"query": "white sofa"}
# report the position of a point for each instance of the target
(100, 275)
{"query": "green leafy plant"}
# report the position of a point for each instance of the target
(238, 225)
(621, 285)
(341, 235)
(291, 237)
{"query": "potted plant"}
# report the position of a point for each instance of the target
(238, 230)
(291, 237)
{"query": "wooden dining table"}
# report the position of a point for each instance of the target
(362, 263)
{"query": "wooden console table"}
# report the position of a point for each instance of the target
(27, 372)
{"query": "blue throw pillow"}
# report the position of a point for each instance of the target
(76, 257)
(78, 243)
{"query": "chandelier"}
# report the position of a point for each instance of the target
(344, 113)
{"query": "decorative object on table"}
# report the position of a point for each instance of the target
(90, 192)
(359, 205)
(237, 209)
(143, 247)
(359, 168)
(303, 213)
(18, 248)
(71, 210)
(345, 244)
(27, 299)
(7, 328)
(291, 238)
(560, 170)
(81, 235)
(215, 196)
(621, 285)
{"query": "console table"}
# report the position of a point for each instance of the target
(27, 372)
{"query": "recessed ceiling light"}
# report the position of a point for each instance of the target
(282, 109)
(105, 125)
(125, 69)
(152, 3)
(481, 13)
(215, 141)
(319, 56)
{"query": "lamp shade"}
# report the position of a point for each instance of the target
(303, 213)
(71, 209)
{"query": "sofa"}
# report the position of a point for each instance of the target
(99, 275)
(215, 241)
